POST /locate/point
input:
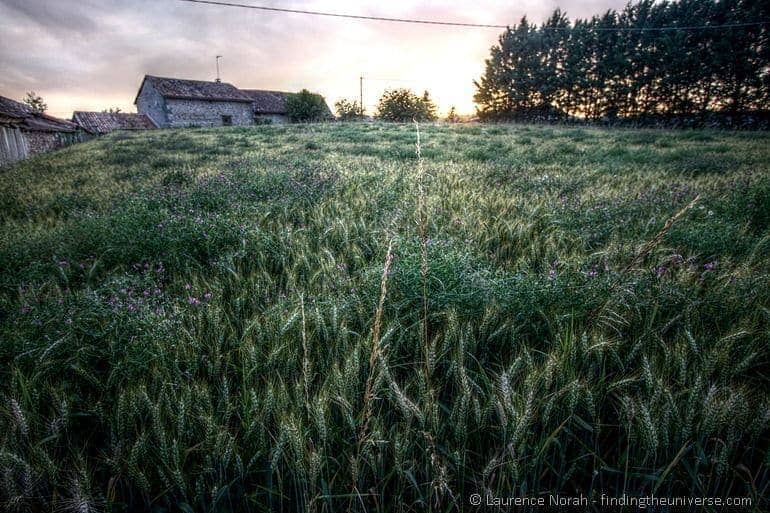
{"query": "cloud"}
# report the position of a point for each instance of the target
(92, 54)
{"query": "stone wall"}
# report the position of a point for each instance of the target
(201, 113)
(152, 104)
(42, 142)
(271, 119)
(17, 144)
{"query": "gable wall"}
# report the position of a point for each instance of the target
(152, 104)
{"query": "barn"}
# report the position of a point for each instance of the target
(25, 133)
(176, 103)
(100, 123)
(269, 106)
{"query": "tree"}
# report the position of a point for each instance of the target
(619, 65)
(404, 105)
(348, 110)
(513, 75)
(430, 112)
(113, 110)
(35, 102)
(305, 106)
(452, 116)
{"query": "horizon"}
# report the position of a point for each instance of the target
(67, 53)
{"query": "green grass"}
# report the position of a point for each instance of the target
(187, 317)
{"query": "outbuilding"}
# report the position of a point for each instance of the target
(100, 123)
(25, 132)
(177, 103)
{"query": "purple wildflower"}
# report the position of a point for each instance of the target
(187, 286)
(193, 301)
(207, 296)
(661, 270)
(710, 266)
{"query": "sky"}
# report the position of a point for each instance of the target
(92, 54)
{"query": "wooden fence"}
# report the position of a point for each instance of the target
(13, 145)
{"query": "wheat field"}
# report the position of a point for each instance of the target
(329, 318)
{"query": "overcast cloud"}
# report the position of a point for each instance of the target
(92, 54)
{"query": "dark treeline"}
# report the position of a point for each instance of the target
(588, 69)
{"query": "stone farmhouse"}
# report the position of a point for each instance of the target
(100, 123)
(177, 103)
(25, 132)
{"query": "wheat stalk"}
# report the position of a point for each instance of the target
(374, 360)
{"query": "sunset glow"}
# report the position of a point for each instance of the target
(92, 54)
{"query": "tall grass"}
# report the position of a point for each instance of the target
(228, 320)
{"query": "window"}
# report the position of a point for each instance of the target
(227, 120)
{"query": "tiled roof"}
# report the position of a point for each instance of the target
(13, 109)
(196, 89)
(105, 122)
(267, 102)
(24, 117)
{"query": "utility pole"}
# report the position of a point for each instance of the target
(361, 94)
(218, 57)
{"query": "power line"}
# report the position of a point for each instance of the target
(339, 15)
(471, 25)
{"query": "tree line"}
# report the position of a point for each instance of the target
(394, 105)
(620, 65)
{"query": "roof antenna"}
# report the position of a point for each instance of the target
(218, 57)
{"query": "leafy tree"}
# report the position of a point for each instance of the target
(306, 107)
(348, 110)
(35, 102)
(404, 105)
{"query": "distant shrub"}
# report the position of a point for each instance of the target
(348, 110)
(404, 105)
(305, 106)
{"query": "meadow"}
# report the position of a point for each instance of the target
(318, 318)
